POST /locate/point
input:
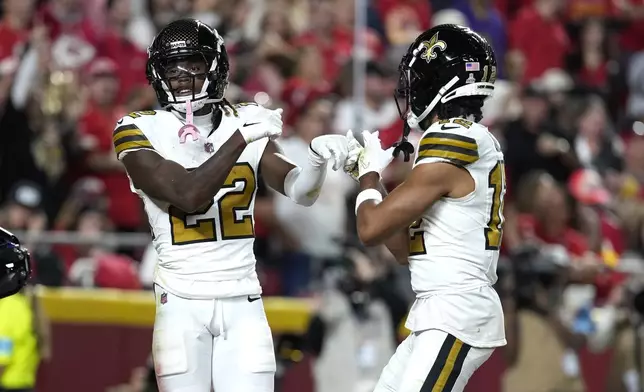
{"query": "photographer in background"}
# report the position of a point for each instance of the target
(541, 350)
(546, 291)
(24, 211)
(626, 368)
(352, 313)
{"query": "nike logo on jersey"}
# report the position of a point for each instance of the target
(249, 124)
(119, 121)
(445, 127)
(250, 299)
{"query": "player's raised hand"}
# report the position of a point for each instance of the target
(373, 157)
(355, 149)
(268, 123)
(329, 148)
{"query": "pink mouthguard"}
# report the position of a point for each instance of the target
(188, 129)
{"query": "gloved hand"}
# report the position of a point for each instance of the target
(355, 149)
(267, 123)
(329, 148)
(373, 157)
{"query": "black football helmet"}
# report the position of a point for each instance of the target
(15, 264)
(444, 63)
(180, 40)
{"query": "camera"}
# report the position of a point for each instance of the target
(533, 268)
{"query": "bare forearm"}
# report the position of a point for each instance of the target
(398, 241)
(364, 216)
(202, 184)
(398, 244)
(185, 189)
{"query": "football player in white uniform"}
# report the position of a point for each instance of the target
(195, 165)
(445, 220)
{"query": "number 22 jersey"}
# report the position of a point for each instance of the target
(209, 253)
(454, 246)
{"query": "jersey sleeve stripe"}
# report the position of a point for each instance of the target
(129, 137)
(457, 149)
(126, 130)
(449, 139)
(455, 155)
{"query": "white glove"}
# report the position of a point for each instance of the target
(329, 148)
(373, 157)
(355, 149)
(267, 123)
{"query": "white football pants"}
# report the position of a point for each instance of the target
(431, 361)
(225, 344)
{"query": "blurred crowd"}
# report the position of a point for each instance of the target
(568, 109)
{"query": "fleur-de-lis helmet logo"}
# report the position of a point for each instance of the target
(431, 47)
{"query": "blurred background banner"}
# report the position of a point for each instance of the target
(568, 111)
(114, 329)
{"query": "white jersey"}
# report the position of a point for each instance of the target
(454, 246)
(209, 253)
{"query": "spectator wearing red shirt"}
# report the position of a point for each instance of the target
(632, 12)
(404, 20)
(309, 80)
(131, 61)
(334, 44)
(333, 36)
(547, 218)
(509, 8)
(73, 37)
(14, 30)
(95, 128)
(590, 64)
(606, 234)
(538, 39)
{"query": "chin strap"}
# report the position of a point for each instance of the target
(403, 145)
(189, 128)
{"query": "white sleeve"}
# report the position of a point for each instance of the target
(303, 184)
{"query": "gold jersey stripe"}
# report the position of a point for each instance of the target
(449, 141)
(455, 156)
(126, 130)
(458, 149)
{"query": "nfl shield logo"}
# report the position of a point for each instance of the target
(209, 147)
(164, 298)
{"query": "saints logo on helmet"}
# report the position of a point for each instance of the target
(431, 47)
(188, 65)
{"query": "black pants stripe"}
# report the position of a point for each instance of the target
(447, 367)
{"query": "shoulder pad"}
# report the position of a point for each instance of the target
(454, 141)
(129, 133)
